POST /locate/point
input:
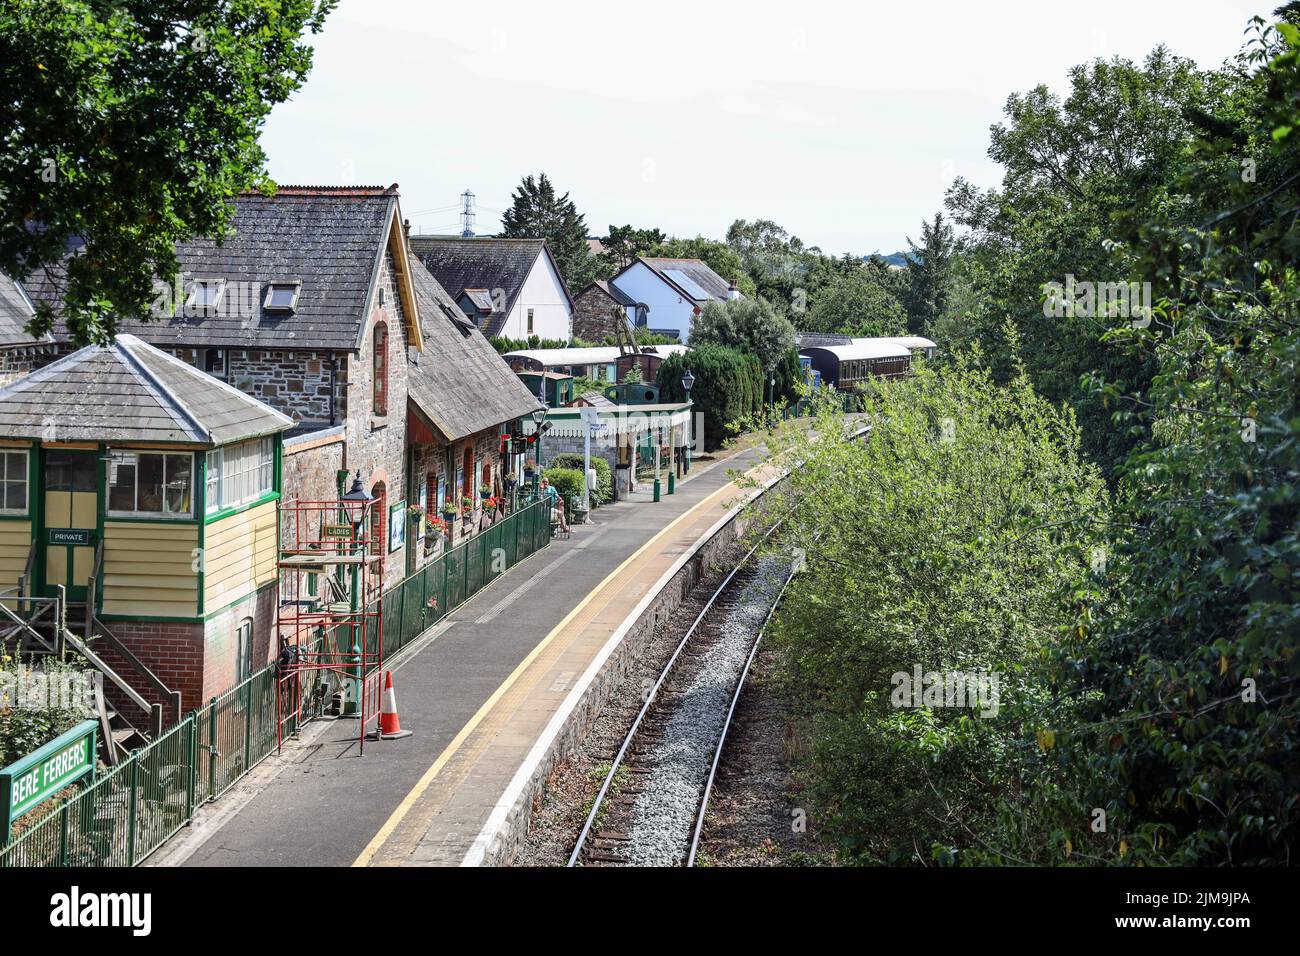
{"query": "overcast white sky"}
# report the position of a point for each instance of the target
(842, 121)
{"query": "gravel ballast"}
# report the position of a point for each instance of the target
(664, 812)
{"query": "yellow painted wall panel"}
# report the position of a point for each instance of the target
(240, 555)
(15, 543)
(149, 569)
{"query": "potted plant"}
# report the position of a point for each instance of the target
(530, 467)
(485, 492)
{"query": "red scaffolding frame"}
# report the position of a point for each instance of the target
(335, 627)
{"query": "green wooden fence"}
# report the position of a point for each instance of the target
(133, 809)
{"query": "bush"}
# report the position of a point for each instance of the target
(727, 383)
(948, 540)
(604, 490)
(25, 729)
(567, 481)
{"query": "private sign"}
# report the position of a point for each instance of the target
(38, 776)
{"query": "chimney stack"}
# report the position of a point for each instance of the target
(733, 293)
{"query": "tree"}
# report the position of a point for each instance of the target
(624, 244)
(929, 274)
(536, 212)
(1183, 673)
(857, 302)
(748, 325)
(1056, 214)
(727, 384)
(129, 127)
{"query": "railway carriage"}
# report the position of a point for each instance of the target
(847, 366)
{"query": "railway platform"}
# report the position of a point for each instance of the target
(483, 690)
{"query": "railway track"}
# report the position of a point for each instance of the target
(650, 807)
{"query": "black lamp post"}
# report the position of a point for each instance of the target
(688, 382)
(539, 416)
(356, 502)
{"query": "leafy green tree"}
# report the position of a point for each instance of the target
(857, 302)
(1182, 677)
(727, 383)
(536, 212)
(128, 127)
(748, 325)
(1066, 184)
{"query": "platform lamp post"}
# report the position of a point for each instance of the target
(539, 416)
(688, 382)
(356, 503)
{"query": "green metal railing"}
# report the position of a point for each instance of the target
(137, 806)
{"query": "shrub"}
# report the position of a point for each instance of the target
(567, 481)
(726, 382)
(604, 490)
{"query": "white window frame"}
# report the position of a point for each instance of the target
(136, 512)
(250, 478)
(286, 283)
(191, 301)
(27, 481)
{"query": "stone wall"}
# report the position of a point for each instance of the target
(17, 362)
(376, 444)
(312, 463)
(593, 314)
(299, 384)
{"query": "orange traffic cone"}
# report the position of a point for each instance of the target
(390, 728)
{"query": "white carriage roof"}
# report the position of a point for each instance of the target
(909, 341)
(588, 356)
(863, 349)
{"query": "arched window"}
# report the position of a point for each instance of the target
(381, 368)
(379, 519)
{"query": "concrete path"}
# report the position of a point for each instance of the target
(477, 690)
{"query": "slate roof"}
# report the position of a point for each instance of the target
(697, 271)
(809, 340)
(461, 263)
(332, 239)
(131, 392)
(460, 383)
(613, 291)
(15, 312)
(594, 399)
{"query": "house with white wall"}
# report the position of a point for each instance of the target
(508, 287)
(665, 295)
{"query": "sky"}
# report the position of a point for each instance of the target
(843, 122)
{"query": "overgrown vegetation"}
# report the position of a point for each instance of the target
(1145, 637)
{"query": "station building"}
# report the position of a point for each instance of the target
(146, 490)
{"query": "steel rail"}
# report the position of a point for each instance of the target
(654, 693)
(726, 726)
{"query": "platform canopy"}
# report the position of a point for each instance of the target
(131, 392)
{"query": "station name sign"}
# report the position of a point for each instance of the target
(35, 778)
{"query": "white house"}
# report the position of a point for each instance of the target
(509, 287)
(665, 295)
